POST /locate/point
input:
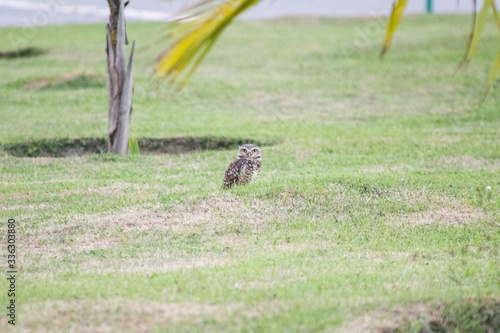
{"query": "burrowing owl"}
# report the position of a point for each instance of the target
(245, 168)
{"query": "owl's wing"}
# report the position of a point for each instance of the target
(232, 173)
(258, 168)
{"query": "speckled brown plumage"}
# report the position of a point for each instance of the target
(245, 168)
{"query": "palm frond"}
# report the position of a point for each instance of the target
(193, 34)
(480, 23)
(398, 8)
(471, 36)
(496, 14)
(495, 70)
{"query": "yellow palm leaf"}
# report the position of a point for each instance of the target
(494, 73)
(398, 8)
(496, 14)
(194, 33)
(480, 23)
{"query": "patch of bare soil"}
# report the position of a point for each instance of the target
(114, 315)
(67, 147)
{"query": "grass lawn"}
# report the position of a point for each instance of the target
(371, 211)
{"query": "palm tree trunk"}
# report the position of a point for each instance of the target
(120, 79)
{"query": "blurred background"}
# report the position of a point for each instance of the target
(33, 12)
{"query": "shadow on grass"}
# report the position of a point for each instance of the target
(78, 82)
(68, 81)
(22, 53)
(64, 147)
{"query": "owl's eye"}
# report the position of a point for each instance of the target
(243, 150)
(254, 150)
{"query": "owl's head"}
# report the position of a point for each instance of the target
(249, 151)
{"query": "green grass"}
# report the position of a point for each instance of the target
(371, 210)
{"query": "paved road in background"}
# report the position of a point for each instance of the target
(43, 12)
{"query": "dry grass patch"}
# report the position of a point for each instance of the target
(93, 232)
(84, 233)
(432, 209)
(446, 139)
(60, 240)
(151, 263)
(455, 215)
(41, 160)
(466, 315)
(271, 283)
(384, 320)
(50, 181)
(47, 160)
(234, 241)
(28, 207)
(376, 257)
(296, 247)
(300, 247)
(218, 212)
(114, 315)
(8, 179)
(123, 188)
(382, 169)
(285, 107)
(469, 162)
(145, 263)
(14, 196)
(122, 315)
(276, 106)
